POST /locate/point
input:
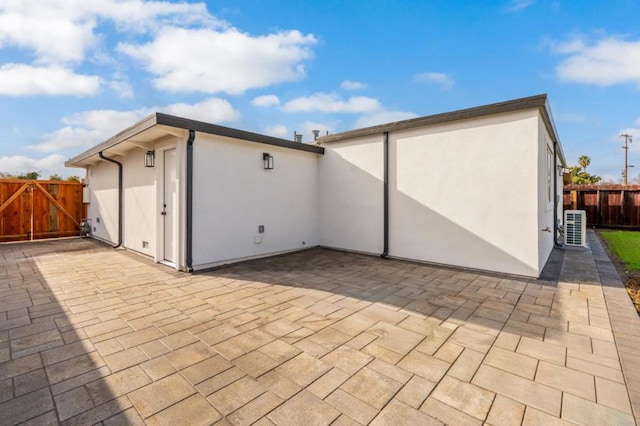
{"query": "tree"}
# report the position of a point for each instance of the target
(579, 175)
(73, 179)
(55, 176)
(29, 175)
(584, 162)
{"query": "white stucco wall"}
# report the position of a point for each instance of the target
(233, 195)
(102, 180)
(351, 195)
(139, 202)
(546, 216)
(462, 193)
(465, 194)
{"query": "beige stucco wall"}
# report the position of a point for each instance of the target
(233, 195)
(350, 195)
(462, 193)
(546, 215)
(102, 212)
(139, 201)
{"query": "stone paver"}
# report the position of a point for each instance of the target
(92, 335)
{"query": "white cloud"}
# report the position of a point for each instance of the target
(332, 103)
(141, 15)
(53, 35)
(62, 31)
(352, 85)
(208, 60)
(607, 62)
(266, 101)
(279, 131)
(47, 166)
(213, 110)
(88, 128)
(441, 79)
(516, 5)
(120, 85)
(85, 129)
(21, 79)
(383, 117)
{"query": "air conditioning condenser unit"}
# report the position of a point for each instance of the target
(575, 228)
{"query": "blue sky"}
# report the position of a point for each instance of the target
(75, 72)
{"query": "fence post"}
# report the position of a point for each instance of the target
(32, 230)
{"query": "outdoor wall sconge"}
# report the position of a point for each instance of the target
(150, 159)
(267, 159)
(560, 170)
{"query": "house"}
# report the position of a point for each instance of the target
(477, 188)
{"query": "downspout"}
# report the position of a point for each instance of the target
(555, 195)
(120, 192)
(385, 251)
(189, 207)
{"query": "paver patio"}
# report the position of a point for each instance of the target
(92, 335)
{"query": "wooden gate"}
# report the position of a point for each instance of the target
(37, 209)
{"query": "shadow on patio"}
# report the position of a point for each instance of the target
(95, 335)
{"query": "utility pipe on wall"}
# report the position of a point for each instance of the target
(555, 195)
(385, 142)
(120, 191)
(189, 202)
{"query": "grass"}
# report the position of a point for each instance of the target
(625, 245)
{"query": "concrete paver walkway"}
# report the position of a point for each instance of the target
(91, 335)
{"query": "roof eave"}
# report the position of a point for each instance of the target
(538, 101)
(429, 120)
(120, 137)
(157, 119)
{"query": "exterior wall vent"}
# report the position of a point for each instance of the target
(575, 228)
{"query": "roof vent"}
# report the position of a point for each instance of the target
(316, 133)
(297, 136)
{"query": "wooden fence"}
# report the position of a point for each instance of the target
(614, 206)
(37, 209)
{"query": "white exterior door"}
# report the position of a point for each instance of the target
(169, 203)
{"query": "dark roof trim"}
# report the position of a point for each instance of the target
(538, 101)
(187, 124)
(214, 129)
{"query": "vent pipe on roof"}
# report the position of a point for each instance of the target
(120, 191)
(297, 137)
(316, 133)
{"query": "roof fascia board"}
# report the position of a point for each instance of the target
(187, 124)
(120, 137)
(214, 129)
(547, 117)
(538, 101)
(429, 120)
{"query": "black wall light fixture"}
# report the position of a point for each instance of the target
(150, 159)
(267, 159)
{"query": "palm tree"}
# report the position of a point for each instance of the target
(584, 161)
